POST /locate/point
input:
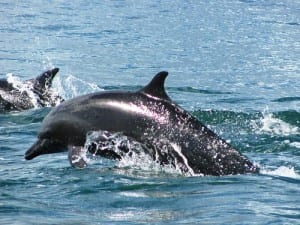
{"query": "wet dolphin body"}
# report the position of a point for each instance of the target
(14, 99)
(147, 116)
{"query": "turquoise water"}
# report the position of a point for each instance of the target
(233, 64)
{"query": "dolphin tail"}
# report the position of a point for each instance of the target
(44, 146)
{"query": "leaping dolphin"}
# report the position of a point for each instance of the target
(21, 98)
(147, 116)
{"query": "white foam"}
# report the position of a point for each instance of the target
(136, 158)
(78, 157)
(22, 86)
(295, 144)
(139, 160)
(274, 126)
(178, 150)
(282, 171)
(133, 194)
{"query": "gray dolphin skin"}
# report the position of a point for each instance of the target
(14, 99)
(148, 116)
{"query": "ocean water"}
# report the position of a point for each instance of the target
(233, 64)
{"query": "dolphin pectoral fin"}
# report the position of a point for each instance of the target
(44, 146)
(77, 156)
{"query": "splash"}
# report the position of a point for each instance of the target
(185, 161)
(282, 171)
(129, 153)
(72, 86)
(270, 125)
(24, 87)
(77, 156)
(295, 144)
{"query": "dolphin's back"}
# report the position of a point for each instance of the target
(112, 111)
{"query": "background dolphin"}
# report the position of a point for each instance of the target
(37, 90)
(148, 116)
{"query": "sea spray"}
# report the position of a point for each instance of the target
(129, 153)
(282, 171)
(269, 124)
(72, 86)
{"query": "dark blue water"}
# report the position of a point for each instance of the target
(233, 64)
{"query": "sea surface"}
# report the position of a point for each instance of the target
(233, 64)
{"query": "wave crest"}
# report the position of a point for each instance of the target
(269, 124)
(282, 171)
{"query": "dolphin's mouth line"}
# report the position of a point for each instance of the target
(44, 146)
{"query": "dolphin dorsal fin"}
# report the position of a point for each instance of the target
(156, 87)
(44, 80)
